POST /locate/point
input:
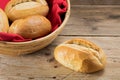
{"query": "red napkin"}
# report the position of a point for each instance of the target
(12, 37)
(3, 3)
(57, 12)
(56, 16)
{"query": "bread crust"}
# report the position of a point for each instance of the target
(4, 25)
(17, 9)
(80, 55)
(31, 27)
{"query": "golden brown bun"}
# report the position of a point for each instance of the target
(4, 25)
(17, 9)
(80, 55)
(31, 27)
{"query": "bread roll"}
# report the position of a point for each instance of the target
(31, 27)
(4, 25)
(80, 55)
(17, 9)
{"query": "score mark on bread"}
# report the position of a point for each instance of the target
(80, 55)
(17, 9)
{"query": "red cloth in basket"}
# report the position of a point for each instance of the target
(56, 16)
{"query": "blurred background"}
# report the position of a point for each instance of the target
(95, 2)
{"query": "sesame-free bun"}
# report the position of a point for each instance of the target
(80, 55)
(17, 9)
(4, 25)
(31, 27)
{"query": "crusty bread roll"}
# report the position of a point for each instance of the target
(31, 27)
(80, 55)
(4, 25)
(16, 9)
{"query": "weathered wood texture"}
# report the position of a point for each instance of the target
(95, 2)
(99, 24)
(94, 20)
(42, 66)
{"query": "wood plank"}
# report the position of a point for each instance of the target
(42, 66)
(95, 2)
(93, 20)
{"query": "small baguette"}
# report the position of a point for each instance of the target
(80, 55)
(31, 27)
(18, 9)
(4, 25)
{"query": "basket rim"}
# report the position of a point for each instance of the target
(43, 38)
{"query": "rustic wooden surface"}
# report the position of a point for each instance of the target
(95, 2)
(99, 24)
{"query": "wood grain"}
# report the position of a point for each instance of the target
(42, 66)
(95, 2)
(93, 20)
(97, 23)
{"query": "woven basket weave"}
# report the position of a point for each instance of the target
(19, 48)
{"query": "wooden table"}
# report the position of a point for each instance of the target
(97, 23)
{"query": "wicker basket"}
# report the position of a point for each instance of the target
(19, 48)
